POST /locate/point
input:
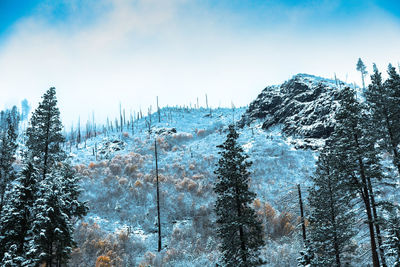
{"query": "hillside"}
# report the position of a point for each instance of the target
(120, 189)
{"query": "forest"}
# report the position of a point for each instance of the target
(193, 186)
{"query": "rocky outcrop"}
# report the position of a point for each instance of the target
(305, 107)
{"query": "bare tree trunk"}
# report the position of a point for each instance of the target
(303, 225)
(158, 199)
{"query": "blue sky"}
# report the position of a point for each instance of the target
(98, 53)
(256, 13)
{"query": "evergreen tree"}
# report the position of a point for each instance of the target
(383, 99)
(307, 255)
(52, 228)
(238, 228)
(8, 147)
(39, 218)
(45, 140)
(17, 217)
(10, 258)
(359, 164)
(392, 242)
(363, 70)
(71, 191)
(332, 219)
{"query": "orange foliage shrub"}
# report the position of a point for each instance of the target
(187, 184)
(182, 136)
(92, 165)
(103, 261)
(162, 143)
(257, 203)
(283, 225)
(96, 249)
(269, 212)
(138, 183)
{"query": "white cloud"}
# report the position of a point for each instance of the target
(179, 51)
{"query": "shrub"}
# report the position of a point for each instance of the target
(257, 203)
(201, 133)
(103, 261)
(96, 248)
(115, 168)
(197, 176)
(122, 181)
(282, 225)
(187, 184)
(182, 136)
(269, 212)
(149, 258)
(130, 169)
(138, 183)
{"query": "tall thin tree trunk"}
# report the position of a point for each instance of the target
(158, 199)
(333, 218)
(241, 232)
(46, 148)
(366, 199)
(303, 225)
(377, 227)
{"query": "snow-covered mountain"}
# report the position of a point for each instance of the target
(304, 105)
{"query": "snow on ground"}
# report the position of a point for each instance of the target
(120, 185)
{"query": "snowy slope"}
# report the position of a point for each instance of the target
(120, 188)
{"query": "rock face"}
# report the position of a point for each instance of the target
(305, 106)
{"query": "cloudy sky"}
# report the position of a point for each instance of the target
(99, 53)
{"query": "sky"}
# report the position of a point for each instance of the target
(103, 53)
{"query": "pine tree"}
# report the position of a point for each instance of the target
(44, 134)
(363, 70)
(71, 191)
(52, 228)
(383, 99)
(56, 200)
(10, 258)
(238, 228)
(8, 147)
(392, 242)
(359, 163)
(17, 216)
(307, 255)
(332, 219)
